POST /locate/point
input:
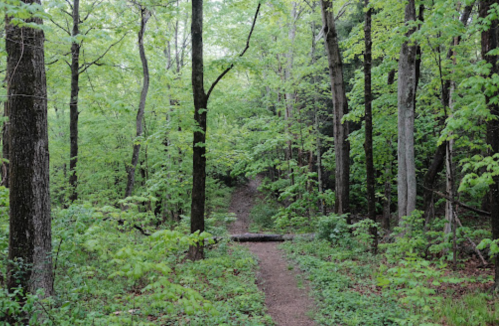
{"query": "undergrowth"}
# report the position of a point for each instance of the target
(342, 282)
(397, 287)
(108, 273)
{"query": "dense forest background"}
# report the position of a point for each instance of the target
(370, 124)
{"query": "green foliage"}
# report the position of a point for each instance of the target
(333, 228)
(412, 280)
(477, 309)
(107, 273)
(341, 280)
(262, 214)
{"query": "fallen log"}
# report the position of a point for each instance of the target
(257, 237)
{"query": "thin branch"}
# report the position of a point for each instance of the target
(94, 4)
(57, 256)
(88, 65)
(67, 12)
(310, 5)
(342, 10)
(240, 55)
(141, 230)
(70, 4)
(88, 30)
(463, 205)
(56, 24)
(484, 262)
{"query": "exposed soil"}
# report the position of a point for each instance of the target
(287, 303)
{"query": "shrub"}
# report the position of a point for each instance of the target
(333, 228)
(262, 213)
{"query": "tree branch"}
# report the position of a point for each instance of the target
(141, 230)
(463, 205)
(240, 55)
(94, 4)
(56, 24)
(88, 65)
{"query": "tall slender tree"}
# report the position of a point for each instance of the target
(200, 115)
(73, 102)
(77, 68)
(368, 145)
(340, 104)
(145, 14)
(30, 246)
(406, 187)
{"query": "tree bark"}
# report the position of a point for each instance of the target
(406, 187)
(490, 42)
(340, 103)
(199, 142)
(30, 247)
(368, 145)
(73, 104)
(144, 17)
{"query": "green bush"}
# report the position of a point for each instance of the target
(333, 228)
(262, 213)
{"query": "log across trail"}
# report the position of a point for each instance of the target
(288, 304)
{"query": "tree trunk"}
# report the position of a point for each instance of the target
(437, 164)
(490, 42)
(290, 95)
(199, 142)
(318, 143)
(341, 144)
(388, 194)
(30, 247)
(73, 104)
(196, 252)
(368, 145)
(406, 187)
(144, 17)
(387, 203)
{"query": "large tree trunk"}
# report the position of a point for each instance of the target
(490, 42)
(368, 145)
(406, 89)
(200, 115)
(144, 17)
(73, 104)
(30, 247)
(341, 144)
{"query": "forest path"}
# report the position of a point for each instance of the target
(286, 301)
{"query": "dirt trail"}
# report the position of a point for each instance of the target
(287, 303)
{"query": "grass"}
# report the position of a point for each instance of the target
(476, 309)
